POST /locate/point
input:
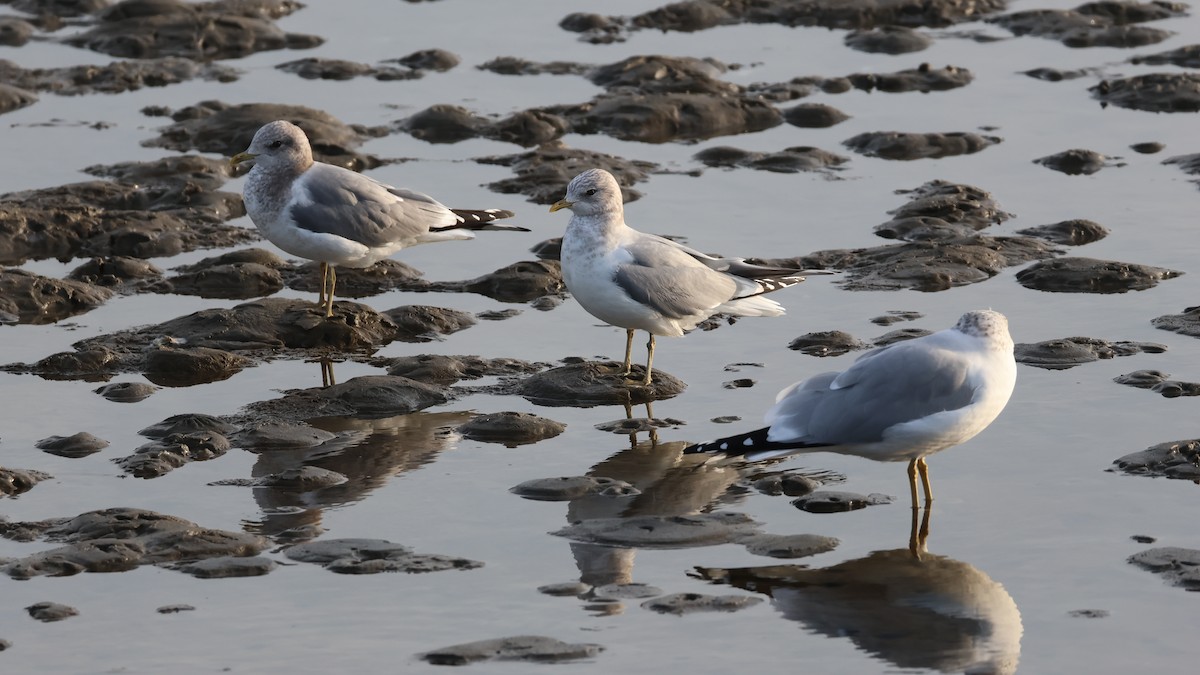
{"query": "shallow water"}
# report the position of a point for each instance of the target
(1028, 504)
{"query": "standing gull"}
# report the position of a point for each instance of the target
(335, 216)
(901, 402)
(644, 282)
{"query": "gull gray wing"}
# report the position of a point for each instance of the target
(667, 278)
(333, 200)
(899, 383)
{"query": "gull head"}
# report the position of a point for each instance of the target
(277, 144)
(592, 192)
(986, 324)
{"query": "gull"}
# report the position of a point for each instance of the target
(336, 216)
(904, 401)
(639, 281)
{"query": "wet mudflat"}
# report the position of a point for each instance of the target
(466, 488)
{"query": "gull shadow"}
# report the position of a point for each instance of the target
(906, 606)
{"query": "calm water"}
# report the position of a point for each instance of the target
(1026, 508)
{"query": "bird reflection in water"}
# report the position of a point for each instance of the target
(906, 606)
(368, 452)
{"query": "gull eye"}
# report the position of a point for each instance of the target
(275, 144)
(590, 192)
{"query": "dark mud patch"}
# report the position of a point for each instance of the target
(814, 116)
(1095, 24)
(411, 67)
(186, 423)
(888, 40)
(444, 370)
(127, 392)
(904, 146)
(225, 29)
(214, 344)
(567, 488)
(1190, 164)
(1055, 75)
(1077, 162)
(663, 532)
(34, 299)
(789, 546)
(15, 481)
(213, 126)
(522, 281)
(692, 603)
(14, 98)
(1177, 566)
(696, 15)
(827, 343)
(1159, 383)
(366, 396)
(543, 174)
(824, 501)
(531, 648)
(165, 454)
(1187, 56)
(1187, 323)
(788, 160)
(113, 78)
(1088, 275)
(633, 425)
(76, 445)
(148, 209)
(48, 612)
(121, 539)
(123, 274)
(236, 275)
(592, 383)
(1153, 92)
(1074, 232)
(1173, 459)
(372, 556)
(1069, 352)
(511, 428)
(226, 567)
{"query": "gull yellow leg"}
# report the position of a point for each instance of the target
(324, 283)
(649, 359)
(628, 352)
(912, 480)
(332, 284)
(923, 468)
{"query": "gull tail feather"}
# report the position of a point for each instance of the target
(752, 446)
(480, 219)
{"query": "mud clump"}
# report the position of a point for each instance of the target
(1074, 351)
(159, 457)
(1177, 566)
(411, 67)
(567, 488)
(1159, 383)
(1173, 459)
(114, 78)
(77, 445)
(593, 383)
(15, 481)
(888, 40)
(663, 532)
(444, 370)
(1153, 92)
(814, 116)
(372, 556)
(48, 612)
(205, 31)
(909, 146)
(120, 539)
(824, 501)
(543, 174)
(511, 428)
(1077, 162)
(691, 603)
(1075, 232)
(532, 648)
(827, 343)
(1095, 24)
(788, 160)
(1088, 275)
(218, 127)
